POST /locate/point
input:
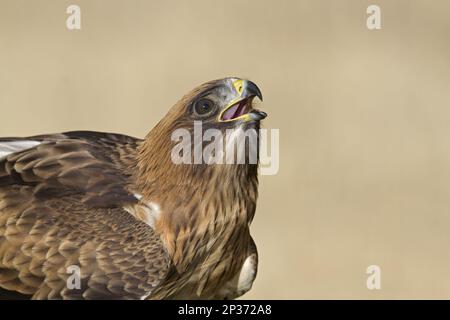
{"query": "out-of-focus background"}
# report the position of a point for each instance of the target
(364, 119)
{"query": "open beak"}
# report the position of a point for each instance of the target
(241, 107)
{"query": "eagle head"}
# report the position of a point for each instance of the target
(224, 105)
(221, 104)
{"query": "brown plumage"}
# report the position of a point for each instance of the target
(137, 225)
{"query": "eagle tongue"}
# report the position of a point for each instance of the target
(235, 111)
(241, 110)
(230, 113)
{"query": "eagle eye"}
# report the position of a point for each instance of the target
(203, 107)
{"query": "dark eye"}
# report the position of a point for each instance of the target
(203, 107)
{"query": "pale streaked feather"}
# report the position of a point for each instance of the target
(247, 275)
(146, 212)
(8, 147)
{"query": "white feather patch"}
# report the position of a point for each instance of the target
(148, 212)
(247, 274)
(153, 213)
(8, 147)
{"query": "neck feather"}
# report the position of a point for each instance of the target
(197, 202)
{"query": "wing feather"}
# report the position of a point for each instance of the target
(61, 205)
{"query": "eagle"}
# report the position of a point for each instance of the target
(93, 215)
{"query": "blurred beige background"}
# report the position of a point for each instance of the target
(364, 119)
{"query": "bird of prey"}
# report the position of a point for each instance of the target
(133, 223)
